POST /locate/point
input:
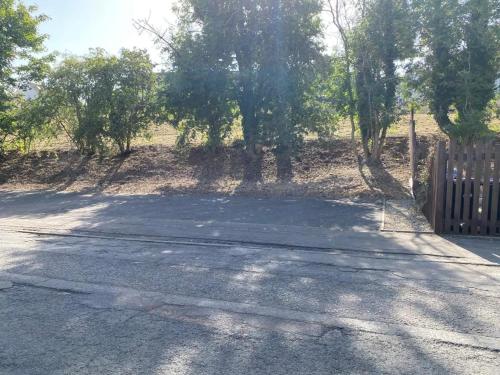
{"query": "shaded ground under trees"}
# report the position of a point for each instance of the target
(320, 169)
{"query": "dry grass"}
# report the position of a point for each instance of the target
(321, 169)
(166, 135)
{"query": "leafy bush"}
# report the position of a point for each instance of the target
(100, 97)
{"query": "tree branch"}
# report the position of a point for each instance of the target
(144, 25)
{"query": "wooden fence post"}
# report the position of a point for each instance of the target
(458, 189)
(449, 186)
(494, 223)
(468, 191)
(412, 145)
(478, 175)
(439, 184)
(486, 188)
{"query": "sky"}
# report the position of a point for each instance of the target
(77, 25)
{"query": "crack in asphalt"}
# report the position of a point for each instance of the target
(323, 319)
(199, 241)
(56, 289)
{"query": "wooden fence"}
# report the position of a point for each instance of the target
(412, 148)
(464, 193)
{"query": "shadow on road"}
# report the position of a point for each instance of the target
(487, 248)
(67, 334)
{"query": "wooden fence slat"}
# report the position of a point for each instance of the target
(467, 190)
(439, 183)
(478, 171)
(458, 189)
(464, 194)
(412, 140)
(449, 186)
(494, 222)
(486, 188)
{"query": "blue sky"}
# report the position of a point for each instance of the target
(77, 25)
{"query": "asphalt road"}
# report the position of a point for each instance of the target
(234, 285)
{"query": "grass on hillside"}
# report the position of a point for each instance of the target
(321, 169)
(166, 135)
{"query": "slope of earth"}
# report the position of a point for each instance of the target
(320, 170)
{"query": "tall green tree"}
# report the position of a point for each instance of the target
(461, 40)
(342, 20)
(199, 89)
(80, 92)
(20, 42)
(98, 97)
(383, 39)
(133, 98)
(289, 67)
(273, 47)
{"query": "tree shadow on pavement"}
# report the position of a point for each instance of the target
(487, 248)
(406, 281)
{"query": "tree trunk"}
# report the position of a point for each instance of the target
(247, 106)
(284, 165)
(214, 137)
(127, 147)
(121, 147)
(335, 12)
(365, 139)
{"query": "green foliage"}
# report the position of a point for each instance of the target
(382, 39)
(462, 40)
(199, 90)
(133, 102)
(495, 106)
(227, 42)
(289, 69)
(334, 85)
(260, 63)
(20, 41)
(262, 55)
(7, 122)
(100, 97)
(81, 89)
(32, 122)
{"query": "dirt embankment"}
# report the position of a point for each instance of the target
(322, 170)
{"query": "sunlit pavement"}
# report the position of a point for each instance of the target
(233, 285)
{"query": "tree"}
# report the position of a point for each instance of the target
(461, 40)
(32, 121)
(199, 90)
(99, 97)
(237, 23)
(382, 39)
(79, 91)
(273, 47)
(339, 12)
(133, 98)
(20, 41)
(290, 57)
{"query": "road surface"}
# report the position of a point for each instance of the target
(235, 285)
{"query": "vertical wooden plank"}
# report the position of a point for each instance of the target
(494, 223)
(439, 188)
(412, 143)
(467, 189)
(431, 196)
(478, 173)
(460, 149)
(486, 188)
(429, 206)
(449, 187)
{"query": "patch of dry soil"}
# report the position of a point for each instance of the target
(320, 170)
